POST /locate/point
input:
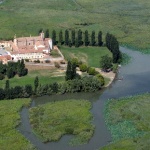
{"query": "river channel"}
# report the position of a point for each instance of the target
(136, 80)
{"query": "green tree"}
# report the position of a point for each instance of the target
(93, 38)
(66, 37)
(71, 71)
(76, 43)
(54, 37)
(73, 37)
(7, 85)
(61, 37)
(86, 38)
(47, 33)
(36, 83)
(106, 63)
(100, 42)
(80, 37)
(69, 43)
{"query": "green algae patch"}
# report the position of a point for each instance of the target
(10, 138)
(53, 120)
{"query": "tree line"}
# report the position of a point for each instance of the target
(75, 38)
(113, 45)
(13, 68)
(74, 83)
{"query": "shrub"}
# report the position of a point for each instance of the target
(92, 71)
(26, 60)
(83, 67)
(47, 61)
(36, 61)
(57, 65)
(75, 61)
(101, 79)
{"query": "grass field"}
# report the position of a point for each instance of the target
(10, 138)
(89, 55)
(129, 122)
(53, 120)
(45, 77)
(128, 20)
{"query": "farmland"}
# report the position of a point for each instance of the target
(127, 20)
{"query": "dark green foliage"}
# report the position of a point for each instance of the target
(66, 37)
(77, 43)
(40, 31)
(2, 94)
(7, 86)
(83, 67)
(69, 43)
(80, 42)
(61, 37)
(54, 37)
(28, 90)
(36, 83)
(93, 38)
(2, 68)
(113, 45)
(54, 87)
(86, 38)
(2, 76)
(10, 73)
(71, 71)
(21, 70)
(73, 37)
(106, 63)
(100, 42)
(101, 79)
(47, 33)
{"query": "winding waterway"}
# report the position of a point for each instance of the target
(136, 80)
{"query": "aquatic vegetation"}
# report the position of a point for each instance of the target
(129, 122)
(10, 138)
(53, 120)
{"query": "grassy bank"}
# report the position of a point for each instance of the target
(128, 20)
(10, 138)
(89, 55)
(51, 121)
(45, 77)
(129, 122)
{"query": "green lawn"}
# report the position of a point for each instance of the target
(129, 122)
(89, 55)
(128, 20)
(10, 138)
(45, 77)
(53, 120)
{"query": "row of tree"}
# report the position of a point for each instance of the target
(113, 45)
(76, 38)
(13, 68)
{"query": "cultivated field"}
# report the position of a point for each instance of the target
(129, 122)
(128, 20)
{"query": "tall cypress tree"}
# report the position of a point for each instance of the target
(54, 37)
(76, 43)
(47, 33)
(71, 71)
(66, 37)
(68, 71)
(80, 37)
(86, 38)
(73, 37)
(100, 42)
(61, 37)
(93, 38)
(36, 83)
